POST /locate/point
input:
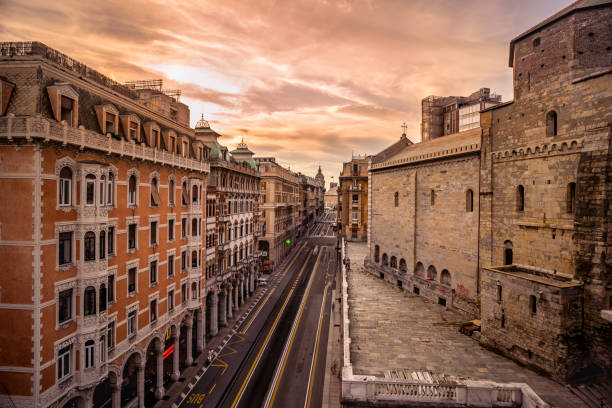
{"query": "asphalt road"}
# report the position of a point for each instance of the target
(276, 356)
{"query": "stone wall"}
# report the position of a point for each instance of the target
(533, 319)
(442, 235)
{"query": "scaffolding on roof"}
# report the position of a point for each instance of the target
(154, 85)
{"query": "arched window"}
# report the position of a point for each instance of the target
(111, 190)
(571, 198)
(508, 256)
(194, 227)
(551, 123)
(385, 260)
(185, 198)
(65, 186)
(396, 198)
(155, 200)
(89, 353)
(469, 200)
(194, 259)
(520, 198)
(419, 270)
(89, 303)
(394, 262)
(432, 274)
(102, 190)
(90, 189)
(90, 246)
(132, 190)
(445, 277)
(171, 192)
(402, 266)
(102, 244)
(102, 297)
(194, 194)
(377, 254)
(194, 291)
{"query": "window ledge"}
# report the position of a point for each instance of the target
(132, 337)
(153, 284)
(65, 324)
(65, 267)
(132, 250)
(132, 294)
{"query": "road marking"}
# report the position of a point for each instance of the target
(212, 388)
(265, 344)
(246, 327)
(280, 369)
(313, 364)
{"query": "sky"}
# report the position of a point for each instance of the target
(309, 82)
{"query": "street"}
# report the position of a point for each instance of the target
(275, 355)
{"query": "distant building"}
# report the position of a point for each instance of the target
(443, 116)
(331, 196)
(353, 198)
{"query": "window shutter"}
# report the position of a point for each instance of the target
(155, 194)
(185, 196)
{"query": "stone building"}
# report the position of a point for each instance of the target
(508, 221)
(331, 196)
(309, 190)
(101, 235)
(231, 206)
(320, 191)
(353, 198)
(280, 204)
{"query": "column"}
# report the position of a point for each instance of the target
(214, 314)
(141, 387)
(189, 326)
(200, 334)
(159, 386)
(116, 393)
(236, 293)
(88, 400)
(176, 373)
(222, 316)
(242, 291)
(229, 296)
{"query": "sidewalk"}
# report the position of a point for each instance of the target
(332, 389)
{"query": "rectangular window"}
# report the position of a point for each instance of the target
(170, 266)
(153, 310)
(172, 144)
(131, 322)
(64, 305)
(153, 272)
(132, 236)
(89, 354)
(110, 335)
(183, 260)
(110, 123)
(111, 240)
(153, 231)
(154, 135)
(133, 131)
(499, 293)
(183, 228)
(67, 110)
(170, 300)
(65, 248)
(111, 288)
(132, 276)
(64, 365)
(170, 230)
(65, 188)
(90, 191)
(533, 304)
(183, 293)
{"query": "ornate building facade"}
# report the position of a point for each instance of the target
(353, 198)
(507, 221)
(102, 235)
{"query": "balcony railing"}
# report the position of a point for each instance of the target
(28, 128)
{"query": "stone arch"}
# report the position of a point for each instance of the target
(419, 269)
(445, 277)
(376, 253)
(432, 274)
(402, 266)
(385, 260)
(551, 123)
(508, 254)
(393, 263)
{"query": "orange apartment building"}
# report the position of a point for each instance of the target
(102, 291)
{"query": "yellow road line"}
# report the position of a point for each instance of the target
(294, 331)
(260, 352)
(213, 387)
(224, 364)
(313, 366)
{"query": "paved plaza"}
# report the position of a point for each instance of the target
(391, 328)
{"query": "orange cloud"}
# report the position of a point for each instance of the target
(307, 81)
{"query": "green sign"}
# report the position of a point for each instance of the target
(288, 241)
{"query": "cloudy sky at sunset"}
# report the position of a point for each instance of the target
(305, 81)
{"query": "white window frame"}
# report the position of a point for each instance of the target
(61, 183)
(87, 183)
(129, 324)
(90, 354)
